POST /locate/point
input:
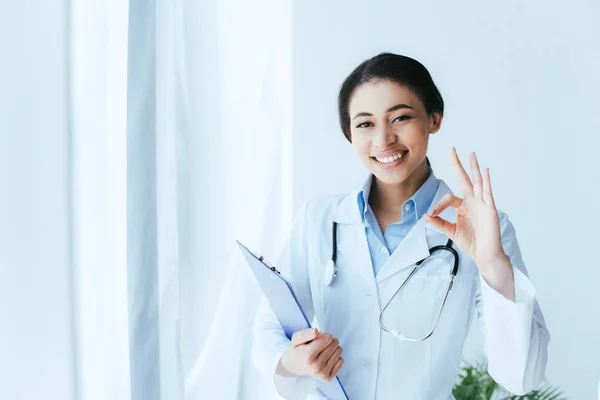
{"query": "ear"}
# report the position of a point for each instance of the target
(435, 122)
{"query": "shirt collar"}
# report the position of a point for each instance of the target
(421, 199)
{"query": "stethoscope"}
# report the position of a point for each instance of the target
(331, 272)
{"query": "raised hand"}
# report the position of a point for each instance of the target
(476, 231)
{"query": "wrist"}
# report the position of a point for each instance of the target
(284, 365)
(498, 274)
(494, 268)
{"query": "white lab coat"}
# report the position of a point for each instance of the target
(377, 365)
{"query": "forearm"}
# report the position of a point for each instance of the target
(498, 274)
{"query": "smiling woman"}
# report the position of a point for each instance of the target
(383, 236)
(370, 124)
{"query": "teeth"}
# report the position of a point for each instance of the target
(387, 160)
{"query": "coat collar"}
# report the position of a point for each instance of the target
(420, 200)
(352, 241)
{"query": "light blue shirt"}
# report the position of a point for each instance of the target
(383, 244)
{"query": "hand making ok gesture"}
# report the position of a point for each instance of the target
(476, 231)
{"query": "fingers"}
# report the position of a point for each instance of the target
(337, 367)
(476, 173)
(447, 227)
(304, 336)
(326, 353)
(327, 360)
(488, 196)
(448, 200)
(327, 372)
(463, 179)
(319, 344)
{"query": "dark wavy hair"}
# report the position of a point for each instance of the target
(403, 70)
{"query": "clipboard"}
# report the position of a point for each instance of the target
(284, 304)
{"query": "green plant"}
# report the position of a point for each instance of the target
(476, 384)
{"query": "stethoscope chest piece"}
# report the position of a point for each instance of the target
(330, 272)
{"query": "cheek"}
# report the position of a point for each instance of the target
(416, 139)
(361, 146)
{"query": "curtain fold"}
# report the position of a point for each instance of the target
(128, 126)
(98, 104)
(152, 202)
(181, 145)
(240, 75)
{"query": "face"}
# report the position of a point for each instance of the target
(390, 130)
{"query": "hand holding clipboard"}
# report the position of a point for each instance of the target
(285, 306)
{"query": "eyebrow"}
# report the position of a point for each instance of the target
(394, 108)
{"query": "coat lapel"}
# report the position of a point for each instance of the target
(352, 239)
(353, 246)
(415, 246)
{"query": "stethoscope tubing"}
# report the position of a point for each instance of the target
(397, 334)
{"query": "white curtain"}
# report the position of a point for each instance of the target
(98, 63)
(128, 115)
(240, 79)
(181, 144)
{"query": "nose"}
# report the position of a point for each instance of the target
(384, 137)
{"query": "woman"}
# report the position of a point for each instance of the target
(388, 108)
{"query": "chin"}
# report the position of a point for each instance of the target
(390, 178)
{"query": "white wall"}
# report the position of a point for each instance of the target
(521, 86)
(35, 340)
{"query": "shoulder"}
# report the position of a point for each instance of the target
(325, 202)
(324, 207)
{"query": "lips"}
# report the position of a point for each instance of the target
(390, 157)
(390, 162)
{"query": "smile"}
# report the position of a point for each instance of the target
(390, 159)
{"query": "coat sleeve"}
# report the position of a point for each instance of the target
(515, 334)
(270, 341)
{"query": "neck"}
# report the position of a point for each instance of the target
(388, 198)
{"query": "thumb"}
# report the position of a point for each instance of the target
(304, 336)
(447, 227)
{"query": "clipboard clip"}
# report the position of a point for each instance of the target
(261, 258)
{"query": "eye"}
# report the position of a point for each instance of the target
(402, 118)
(363, 125)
